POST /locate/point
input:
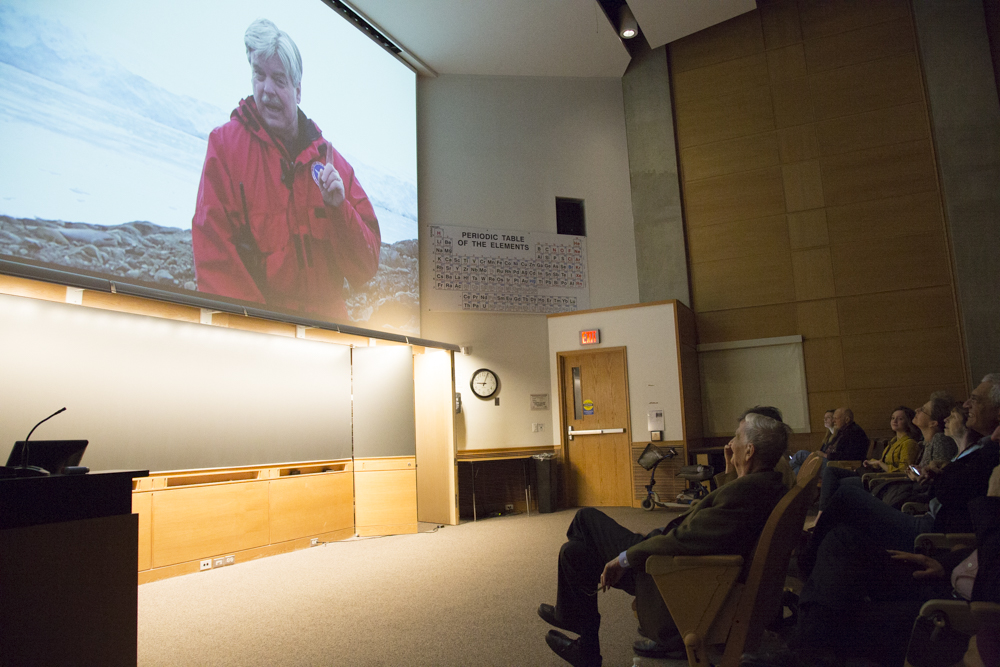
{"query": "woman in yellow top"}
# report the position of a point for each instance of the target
(902, 450)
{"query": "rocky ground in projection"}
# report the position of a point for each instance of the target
(390, 300)
(148, 253)
(136, 251)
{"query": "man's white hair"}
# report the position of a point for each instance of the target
(264, 39)
(994, 380)
(769, 437)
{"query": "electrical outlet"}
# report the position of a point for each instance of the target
(206, 564)
(314, 541)
(230, 560)
(219, 562)
(509, 507)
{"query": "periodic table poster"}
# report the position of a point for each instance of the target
(501, 271)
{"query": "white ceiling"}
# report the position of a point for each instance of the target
(665, 21)
(533, 37)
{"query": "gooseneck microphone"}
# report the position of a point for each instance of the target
(24, 450)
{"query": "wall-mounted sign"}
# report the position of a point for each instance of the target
(588, 407)
(539, 401)
(591, 337)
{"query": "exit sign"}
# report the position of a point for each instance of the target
(591, 337)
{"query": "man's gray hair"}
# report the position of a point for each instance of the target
(769, 438)
(994, 380)
(264, 38)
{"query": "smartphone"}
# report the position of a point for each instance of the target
(915, 471)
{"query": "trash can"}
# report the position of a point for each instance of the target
(546, 482)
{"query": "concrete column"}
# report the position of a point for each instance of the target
(660, 252)
(965, 120)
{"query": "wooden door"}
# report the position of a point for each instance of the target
(598, 468)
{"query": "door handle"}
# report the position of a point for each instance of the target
(596, 431)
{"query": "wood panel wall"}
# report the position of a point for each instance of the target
(811, 200)
(687, 360)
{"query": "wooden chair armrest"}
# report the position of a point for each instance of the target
(986, 613)
(872, 478)
(877, 484)
(958, 613)
(665, 564)
(915, 508)
(929, 541)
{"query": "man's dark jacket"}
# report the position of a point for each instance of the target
(848, 444)
(727, 521)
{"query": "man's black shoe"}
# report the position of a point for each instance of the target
(570, 650)
(647, 648)
(548, 614)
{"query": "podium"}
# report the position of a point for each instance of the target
(68, 561)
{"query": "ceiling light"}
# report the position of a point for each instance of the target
(627, 26)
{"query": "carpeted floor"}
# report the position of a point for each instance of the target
(464, 595)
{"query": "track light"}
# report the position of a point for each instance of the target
(627, 26)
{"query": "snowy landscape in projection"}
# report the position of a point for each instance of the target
(105, 111)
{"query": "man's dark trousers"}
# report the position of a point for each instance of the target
(594, 538)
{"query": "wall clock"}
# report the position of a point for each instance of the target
(484, 383)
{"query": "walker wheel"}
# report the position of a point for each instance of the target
(647, 504)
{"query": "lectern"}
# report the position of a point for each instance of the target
(68, 561)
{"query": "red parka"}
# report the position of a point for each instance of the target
(261, 231)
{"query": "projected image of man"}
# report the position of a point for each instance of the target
(280, 217)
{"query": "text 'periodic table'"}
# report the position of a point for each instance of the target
(507, 272)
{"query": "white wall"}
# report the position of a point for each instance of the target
(649, 334)
(495, 152)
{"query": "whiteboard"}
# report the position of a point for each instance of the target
(384, 420)
(158, 394)
(739, 375)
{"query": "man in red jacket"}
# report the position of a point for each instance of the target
(280, 218)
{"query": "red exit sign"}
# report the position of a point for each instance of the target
(591, 337)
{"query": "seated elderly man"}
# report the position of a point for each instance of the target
(848, 563)
(782, 466)
(602, 554)
(847, 442)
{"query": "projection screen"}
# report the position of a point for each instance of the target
(142, 147)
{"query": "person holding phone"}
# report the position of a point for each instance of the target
(280, 218)
(846, 562)
(939, 448)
